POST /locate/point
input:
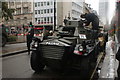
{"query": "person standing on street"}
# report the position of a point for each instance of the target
(118, 58)
(30, 36)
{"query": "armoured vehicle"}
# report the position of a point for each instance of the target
(72, 48)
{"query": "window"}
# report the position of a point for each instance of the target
(51, 19)
(35, 19)
(45, 11)
(41, 19)
(45, 19)
(38, 3)
(17, 3)
(38, 11)
(35, 11)
(38, 21)
(44, 3)
(18, 18)
(41, 11)
(25, 10)
(18, 11)
(72, 11)
(51, 10)
(25, 17)
(35, 4)
(51, 3)
(48, 19)
(72, 4)
(11, 3)
(48, 3)
(41, 3)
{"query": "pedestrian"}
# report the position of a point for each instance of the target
(29, 36)
(94, 20)
(118, 58)
(65, 21)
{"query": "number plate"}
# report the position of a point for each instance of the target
(82, 36)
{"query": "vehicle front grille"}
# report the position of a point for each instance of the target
(52, 52)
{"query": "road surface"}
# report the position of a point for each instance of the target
(18, 66)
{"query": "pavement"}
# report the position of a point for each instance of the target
(110, 64)
(11, 49)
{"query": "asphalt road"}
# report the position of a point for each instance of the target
(18, 66)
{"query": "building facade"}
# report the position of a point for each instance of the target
(53, 12)
(43, 12)
(103, 11)
(23, 13)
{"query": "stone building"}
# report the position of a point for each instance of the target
(23, 13)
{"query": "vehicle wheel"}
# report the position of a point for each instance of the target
(36, 61)
(86, 68)
(4, 40)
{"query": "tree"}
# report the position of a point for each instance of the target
(6, 12)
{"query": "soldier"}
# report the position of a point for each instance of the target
(118, 58)
(92, 18)
(30, 36)
(65, 21)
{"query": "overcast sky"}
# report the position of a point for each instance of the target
(94, 4)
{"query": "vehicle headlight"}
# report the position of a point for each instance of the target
(80, 48)
(34, 45)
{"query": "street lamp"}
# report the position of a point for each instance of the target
(54, 15)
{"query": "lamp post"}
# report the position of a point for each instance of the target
(54, 27)
(33, 7)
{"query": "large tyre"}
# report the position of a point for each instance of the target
(4, 41)
(36, 62)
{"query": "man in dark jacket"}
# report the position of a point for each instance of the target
(118, 58)
(30, 36)
(92, 18)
